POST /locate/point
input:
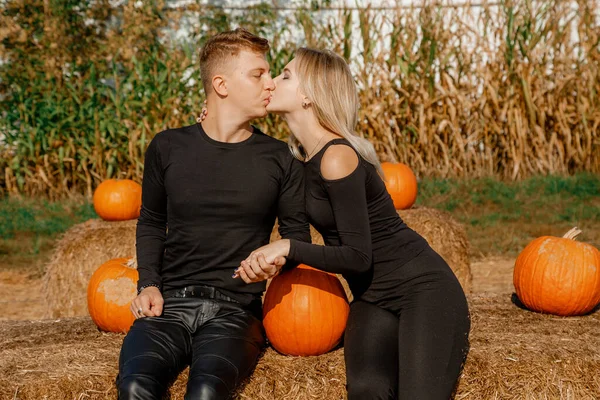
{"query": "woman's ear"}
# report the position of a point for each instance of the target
(306, 102)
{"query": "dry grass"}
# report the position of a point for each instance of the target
(515, 354)
(507, 89)
(493, 275)
(20, 296)
(81, 250)
(472, 91)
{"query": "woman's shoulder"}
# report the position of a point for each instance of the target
(339, 161)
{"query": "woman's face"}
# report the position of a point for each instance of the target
(286, 97)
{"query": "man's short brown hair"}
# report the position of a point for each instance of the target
(219, 48)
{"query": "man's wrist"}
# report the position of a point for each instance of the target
(156, 285)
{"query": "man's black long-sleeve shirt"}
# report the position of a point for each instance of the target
(219, 201)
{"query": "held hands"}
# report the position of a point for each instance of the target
(264, 263)
(149, 303)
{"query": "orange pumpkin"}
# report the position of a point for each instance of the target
(558, 275)
(401, 184)
(118, 199)
(305, 311)
(110, 291)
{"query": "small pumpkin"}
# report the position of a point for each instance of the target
(110, 291)
(305, 311)
(118, 199)
(401, 184)
(558, 275)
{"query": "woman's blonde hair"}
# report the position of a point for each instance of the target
(325, 78)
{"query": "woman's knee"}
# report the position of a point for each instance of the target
(370, 389)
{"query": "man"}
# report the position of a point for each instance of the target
(218, 186)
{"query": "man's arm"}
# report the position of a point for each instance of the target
(291, 210)
(151, 229)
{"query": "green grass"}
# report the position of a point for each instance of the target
(41, 217)
(30, 227)
(502, 217)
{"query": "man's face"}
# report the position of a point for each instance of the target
(249, 84)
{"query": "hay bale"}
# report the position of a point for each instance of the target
(515, 354)
(445, 235)
(82, 249)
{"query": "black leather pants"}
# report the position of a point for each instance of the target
(220, 340)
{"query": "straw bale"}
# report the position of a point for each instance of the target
(515, 354)
(445, 235)
(79, 252)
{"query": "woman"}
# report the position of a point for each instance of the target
(407, 332)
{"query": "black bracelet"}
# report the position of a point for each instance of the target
(156, 285)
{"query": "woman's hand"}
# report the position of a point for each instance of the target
(264, 262)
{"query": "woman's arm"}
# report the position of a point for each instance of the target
(345, 182)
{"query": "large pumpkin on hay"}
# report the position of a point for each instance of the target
(558, 275)
(111, 289)
(305, 312)
(118, 199)
(401, 184)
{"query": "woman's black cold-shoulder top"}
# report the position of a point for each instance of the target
(364, 235)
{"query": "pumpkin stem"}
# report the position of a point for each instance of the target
(572, 233)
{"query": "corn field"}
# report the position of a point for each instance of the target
(508, 89)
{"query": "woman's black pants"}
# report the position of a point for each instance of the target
(413, 343)
(220, 340)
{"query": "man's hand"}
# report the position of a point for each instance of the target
(264, 262)
(271, 251)
(256, 268)
(149, 303)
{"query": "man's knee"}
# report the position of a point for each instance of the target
(207, 387)
(139, 387)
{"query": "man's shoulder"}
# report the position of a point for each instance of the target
(266, 140)
(173, 132)
(170, 135)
